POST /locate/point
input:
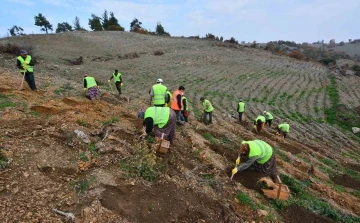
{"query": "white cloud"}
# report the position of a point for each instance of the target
(22, 2)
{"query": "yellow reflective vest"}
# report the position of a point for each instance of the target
(160, 115)
(25, 63)
(261, 149)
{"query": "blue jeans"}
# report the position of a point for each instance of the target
(205, 117)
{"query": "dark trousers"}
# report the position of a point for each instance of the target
(240, 116)
(118, 86)
(30, 80)
(205, 117)
(177, 112)
(268, 122)
(185, 118)
(163, 105)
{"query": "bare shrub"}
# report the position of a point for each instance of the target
(341, 43)
(297, 55)
(14, 49)
(158, 53)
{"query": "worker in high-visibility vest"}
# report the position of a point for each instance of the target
(176, 103)
(283, 128)
(25, 63)
(241, 109)
(208, 109)
(117, 80)
(158, 93)
(259, 156)
(268, 117)
(162, 120)
(168, 98)
(259, 123)
(185, 107)
(91, 86)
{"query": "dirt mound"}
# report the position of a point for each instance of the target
(296, 214)
(346, 181)
(161, 203)
(45, 110)
(247, 178)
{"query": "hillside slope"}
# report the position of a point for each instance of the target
(50, 167)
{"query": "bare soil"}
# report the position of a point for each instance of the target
(346, 181)
(296, 214)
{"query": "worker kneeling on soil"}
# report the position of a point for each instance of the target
(283, 128)
(91, 85)
(259, 156)
(162, 120)
(259, 123)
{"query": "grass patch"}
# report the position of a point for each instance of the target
(112, 120)
(81, 186)
(246, 200)
(82, 122)
(303, 199)
(143, 163)
(3, 161)
(329, 162)
(5, 102)
(209, 179)
(209, 137)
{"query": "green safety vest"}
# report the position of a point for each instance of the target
(284, 127)
(90, 82)
(186, 108)
(159, 94)
(262, 118)
(269, 116)
(116, 77)
(170, 97)
(27, 60)
(209, 107)
(160, 115)
(241, 107)
(261, 149)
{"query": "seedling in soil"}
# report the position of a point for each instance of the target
(83, 157)
(112, 120)
(83, 123)
(150, 139)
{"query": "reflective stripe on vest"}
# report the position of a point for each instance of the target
(262, 118)
(241, 107)
(261, 149)
(207, 106)
(186, 101)
(174, 102)
(159, 91)
(90, 82)
(269, 116)
(27, 60)
(116, 77)
(284, 127)
(160, 115)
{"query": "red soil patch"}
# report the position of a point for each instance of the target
(346, 181)
(161, 203)
(296, 214)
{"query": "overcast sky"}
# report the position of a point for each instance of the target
(246, 20)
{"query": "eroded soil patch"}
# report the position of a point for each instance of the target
(352, 166)
(296, 214)
(161, 203)
(247, 178)
(45, 110)
(346, 181)
(290, 148)
(222, 150)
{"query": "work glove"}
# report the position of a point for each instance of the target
(108, 81)
(237, 162)
(234, 171)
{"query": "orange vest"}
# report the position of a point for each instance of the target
(174, 102)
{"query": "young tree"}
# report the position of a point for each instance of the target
(113, 24)
(105, 20)
(16, 31)
(63, 27)
(40, 20)
(221, 38)
(95, 23)
(159, 30)
(210, 36)
(77, 26)
(135, 24)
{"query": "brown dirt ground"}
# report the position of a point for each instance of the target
(296, 214)
(346, 181)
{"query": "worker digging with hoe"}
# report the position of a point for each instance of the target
(25, 63)
(284, 129)
(259, 156)
(268, 117)
(208, 109)
(162, 120)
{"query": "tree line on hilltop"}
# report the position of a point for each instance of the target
(107, 22)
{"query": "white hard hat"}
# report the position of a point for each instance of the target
(264, 112)
(159, 80)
